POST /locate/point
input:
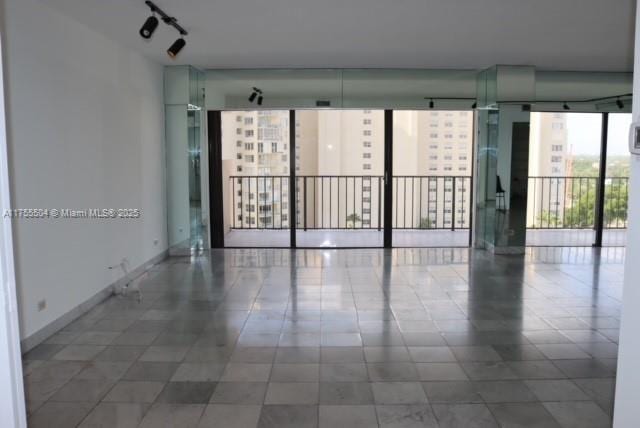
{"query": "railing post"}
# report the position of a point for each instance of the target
(304, 202)
(453, 207)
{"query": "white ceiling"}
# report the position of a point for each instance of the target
(592, 35)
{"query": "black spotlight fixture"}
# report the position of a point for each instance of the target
(257, 93)
(619, 103)
(151, 24)
(474, 105)
(566, 106)
(176, 47)
(254, 94)
(149, 27)
(431, 103)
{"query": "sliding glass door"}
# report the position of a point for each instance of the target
(339, 170)
(432, 183)
(255, 177)
(340, 178)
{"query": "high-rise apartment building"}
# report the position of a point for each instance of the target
(549, 162)
(340, 166)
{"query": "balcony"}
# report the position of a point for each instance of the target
(428, 211)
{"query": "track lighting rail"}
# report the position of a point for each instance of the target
(169, 20)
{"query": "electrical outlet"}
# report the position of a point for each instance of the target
(42, 305)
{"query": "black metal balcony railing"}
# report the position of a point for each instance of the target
(351, 202)
(571, 202)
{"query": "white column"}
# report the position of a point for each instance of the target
(627, 403)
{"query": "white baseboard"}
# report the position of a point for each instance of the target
(53, 327)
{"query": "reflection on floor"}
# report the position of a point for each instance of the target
(358, 338)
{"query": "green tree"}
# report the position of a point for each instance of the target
(426, 223)
(352, 219)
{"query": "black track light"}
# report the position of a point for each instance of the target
(254, 94)
(566, 106)
(176, 47)
(619, 103)
(149, 27)
(260, 100)
(431, 103)
(474, 105)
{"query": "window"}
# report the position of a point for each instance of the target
(366, 155)
(366, 166)
(433, 135)
(238, 131)
(557, 126)
(248, 146)
(238, 118)
(433, 157)
(448, 157)
(448, 124)
(433, 125)
(366, 121)
(284, 158)
(462, 168)
(448, 136)
(366, 132)
(248, 121)
(433, 146)
(555, 170)
(274, 147)
(366, 111)
(462, 157)
(366, 200)
(249, 158)
(366, 143)
(556, 148)
(238, 143)
(462, 136)
(239, 156)
(434, 113)
(248, 133)
(556, 159)
(260, 147)
(433, 168)
(239, 168)
(448, 168)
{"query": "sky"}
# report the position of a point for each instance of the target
(584, 133)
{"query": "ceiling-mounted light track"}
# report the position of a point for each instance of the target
(151, 24)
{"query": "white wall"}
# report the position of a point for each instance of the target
(627, 411)
(86, 129)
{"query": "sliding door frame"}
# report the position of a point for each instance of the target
(216, 186)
